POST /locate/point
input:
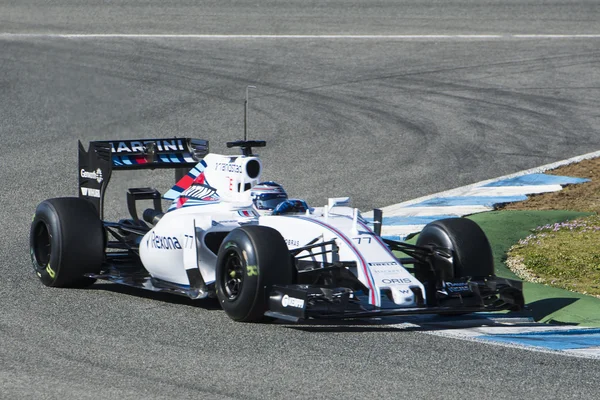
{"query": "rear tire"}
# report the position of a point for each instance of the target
(66, 241)
(471, 252)
(250, 260)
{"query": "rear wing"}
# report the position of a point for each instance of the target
(102, 157)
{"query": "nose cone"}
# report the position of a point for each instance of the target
(403, 296)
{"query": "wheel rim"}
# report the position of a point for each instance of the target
(41, 245)
(234, 275)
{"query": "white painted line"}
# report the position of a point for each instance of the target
(589, 352)
(557, 36)
(509, 190)
(8, 35)
(400, 230)
(233, 36)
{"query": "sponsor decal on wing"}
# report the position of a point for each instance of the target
(132, 146)
(288, 301)
(95, 175)
(202, 193)
(196, 194)
(89, 192)
(193, 189)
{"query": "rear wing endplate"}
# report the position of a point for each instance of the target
(102, 157)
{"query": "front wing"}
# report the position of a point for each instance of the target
(301, 302)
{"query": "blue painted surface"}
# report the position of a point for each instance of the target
(537, 179)
(488, 201)
(397, 238)
(552, 340)
(410, 220)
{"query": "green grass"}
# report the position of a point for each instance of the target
(505, 228)
(564, 255)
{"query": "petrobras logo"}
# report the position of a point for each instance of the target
(88, 192)
(163, 242)
(457, 287)
(288, 301)
(136, 146)
(292, 242)
(96, 175)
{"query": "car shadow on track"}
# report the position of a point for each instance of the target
(534, 311)
(208, 304)
(545, 307)
(415, 323)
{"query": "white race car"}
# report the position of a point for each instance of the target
(326, 262)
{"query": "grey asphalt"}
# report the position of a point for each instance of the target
(381, 120)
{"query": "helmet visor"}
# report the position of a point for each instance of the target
(269, 201)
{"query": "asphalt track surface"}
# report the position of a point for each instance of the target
(382, 119)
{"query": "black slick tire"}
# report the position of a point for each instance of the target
(66, 241)
(250, 260)
(471, 251)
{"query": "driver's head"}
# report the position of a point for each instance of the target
(266, 196)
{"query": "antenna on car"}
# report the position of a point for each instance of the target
(246, 144)
(246, 113)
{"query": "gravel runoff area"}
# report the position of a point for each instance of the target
(582, 197)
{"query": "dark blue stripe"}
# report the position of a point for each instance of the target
(168, 158)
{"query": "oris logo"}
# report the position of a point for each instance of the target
(396, 281)
(97, 175)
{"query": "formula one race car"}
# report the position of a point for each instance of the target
(295, 264)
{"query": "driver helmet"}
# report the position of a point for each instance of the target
(266, 196)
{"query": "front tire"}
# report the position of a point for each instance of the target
(470, 249)
(469, 256)
(66, 241)
(250, 260)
